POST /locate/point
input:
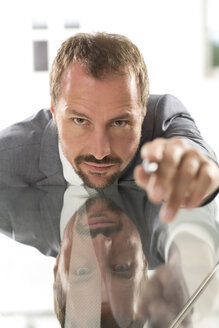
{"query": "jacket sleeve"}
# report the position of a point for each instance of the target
(167, 117)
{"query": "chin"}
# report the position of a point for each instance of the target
(98, 181)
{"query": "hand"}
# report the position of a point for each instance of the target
(165, 296)
(185, 176)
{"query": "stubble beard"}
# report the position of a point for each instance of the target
(107, 180)
(85, 178)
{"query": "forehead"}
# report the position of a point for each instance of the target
(79, 72)
(78, 85)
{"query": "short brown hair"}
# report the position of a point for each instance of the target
(101, 54)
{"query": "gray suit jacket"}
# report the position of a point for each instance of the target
(29, 150)
(31, 216)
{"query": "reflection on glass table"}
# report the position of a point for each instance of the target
(102, 269)
(110, 239)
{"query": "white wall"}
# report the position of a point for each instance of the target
(169, 34)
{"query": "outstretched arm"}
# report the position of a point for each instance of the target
(185, 176)
(188, 175)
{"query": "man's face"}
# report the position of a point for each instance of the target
(101, 266)
(99, 124)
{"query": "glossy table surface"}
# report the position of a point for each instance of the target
(115, 263)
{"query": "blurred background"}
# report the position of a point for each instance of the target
(180, 43)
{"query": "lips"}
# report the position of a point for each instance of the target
(98, 167)
(99, 219)
(97, 222)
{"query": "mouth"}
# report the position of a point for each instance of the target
(98, 168)
(100, 222)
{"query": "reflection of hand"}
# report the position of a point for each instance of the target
(165, 296)
(185, 176)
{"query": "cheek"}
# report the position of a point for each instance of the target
(133, 141)
(71, 139)
(69, 145)
(68, 141)
(66, 130)
(128, 144)
(122, 303)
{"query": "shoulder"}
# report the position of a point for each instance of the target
(164, 113)
(166, 104)
(20, 149)
(24, 133)
(167, 117)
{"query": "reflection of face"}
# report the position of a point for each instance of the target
(105, 271)
(99, 124)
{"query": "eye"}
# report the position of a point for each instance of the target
(82, 271)
(79, 121)
(82, 274)
(120, 123)
(120, 268)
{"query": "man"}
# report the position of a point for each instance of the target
(99, 92)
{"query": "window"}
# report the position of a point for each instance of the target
(40, 55)
(211, 9)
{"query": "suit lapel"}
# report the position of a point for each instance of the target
(50, 211)
(49, 162)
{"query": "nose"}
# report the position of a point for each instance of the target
(104, 291)
(102, 246)
(100, 143)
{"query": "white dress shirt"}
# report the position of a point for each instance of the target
(75, 195)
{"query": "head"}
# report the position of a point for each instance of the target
(99, 90)
(101, 270)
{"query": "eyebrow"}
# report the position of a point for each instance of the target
(125, 275)
(72, 111)
(117, 118)
(121, 117)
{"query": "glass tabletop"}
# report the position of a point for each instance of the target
(107, 260)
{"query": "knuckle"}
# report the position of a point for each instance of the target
(158, 140)
(186, 173)
(190, 167)
(179, 142)
(194, 154)
(175, 150)
(170, 156)
(153, 148)
(207, 173)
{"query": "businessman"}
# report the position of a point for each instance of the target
(102, 123)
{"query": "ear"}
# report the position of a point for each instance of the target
(146, 263)
(52, 110)
(145, 270)
(55, 269)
